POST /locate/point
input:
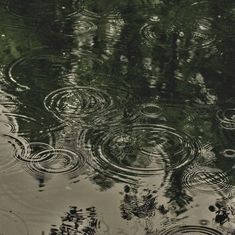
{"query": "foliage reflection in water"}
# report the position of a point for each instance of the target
(118, 116)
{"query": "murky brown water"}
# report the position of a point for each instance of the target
(117, 117)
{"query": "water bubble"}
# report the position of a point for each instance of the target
(190, 229)
(204, 222)
(205, 179)
(229, 153)
(151, 110)
(140, 150)
(12, 224)
(226, 118)
(56, 161)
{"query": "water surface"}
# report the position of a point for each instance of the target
(117, 117)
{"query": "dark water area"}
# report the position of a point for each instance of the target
(117, 117)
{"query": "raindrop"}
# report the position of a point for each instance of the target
(204, 222)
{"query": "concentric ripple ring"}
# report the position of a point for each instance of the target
(12, 148)
(140, 150)
(226, 118)
(57, 161)
(205, 179)
(77, 102)
(192, 229)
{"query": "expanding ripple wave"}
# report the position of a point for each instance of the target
(206, 179)
(190, 229)
(27, 127)
(140, 150)
(74, 26)
(86, 105)
(12, 148)
(36, 71)
(226, 118)
(56, 161)
(163, 36)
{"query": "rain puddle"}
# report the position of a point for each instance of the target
(117, 117)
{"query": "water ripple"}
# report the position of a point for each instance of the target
(34, 148)
(77, 102)
(206, 179)
(140, 150)
(114, 10)
(71, 27)
(108, 13)
(56, 161)
(7, 100)
(10, 223)
(226, 118)
(27, 127)
(84, 105)
(12, 148)
(36, 71)
(154, 33)
(186, 229)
